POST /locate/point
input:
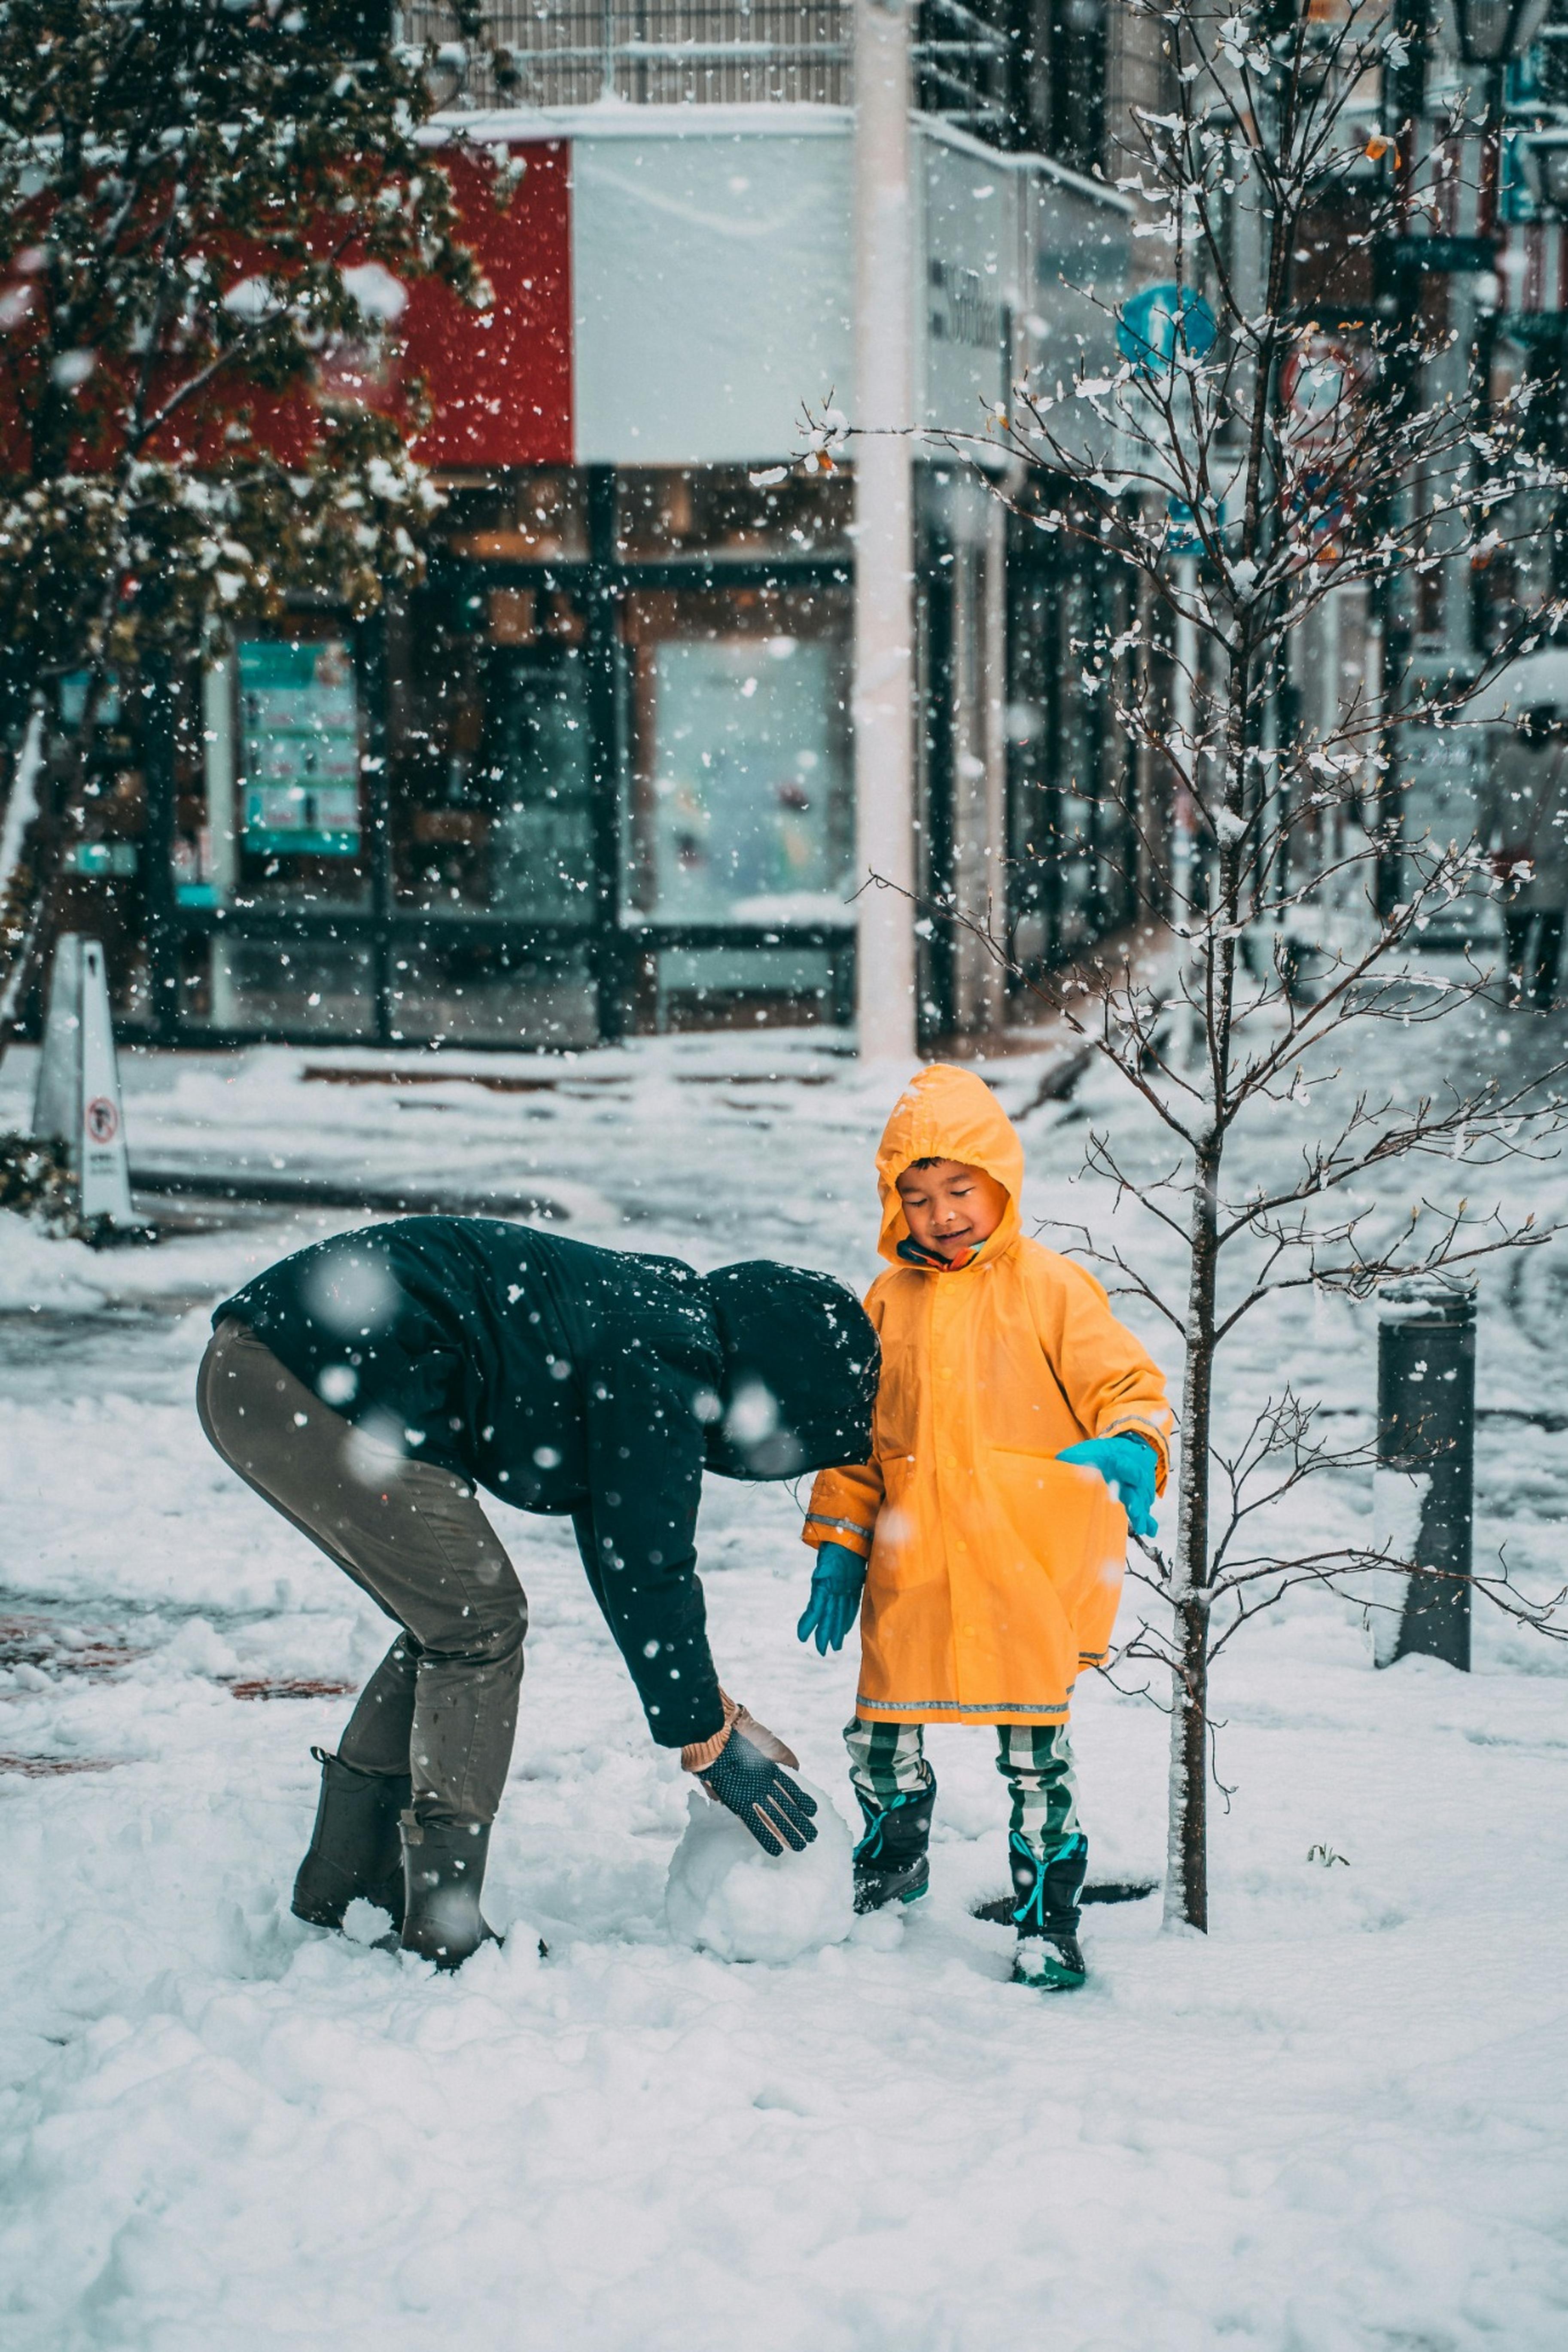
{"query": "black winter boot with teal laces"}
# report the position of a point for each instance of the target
(1047, 1914)
(890, 1864)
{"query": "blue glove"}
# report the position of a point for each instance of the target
(1127, 1467)
(836, 1584)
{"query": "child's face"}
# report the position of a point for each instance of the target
(951, 1207)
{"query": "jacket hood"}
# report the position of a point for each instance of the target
(801, 1361)
(946, 1113)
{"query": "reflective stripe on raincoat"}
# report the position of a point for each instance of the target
(995, 1571)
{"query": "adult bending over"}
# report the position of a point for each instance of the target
(367, 1386)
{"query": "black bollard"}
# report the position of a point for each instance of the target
(1425, 1480)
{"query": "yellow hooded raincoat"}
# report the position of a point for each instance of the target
(994, 1570)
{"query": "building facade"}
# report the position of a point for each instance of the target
(598, 775)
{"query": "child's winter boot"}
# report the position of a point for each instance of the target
(1047, 1914)
(443, 1875)
(890, 1864)
(354, 1847)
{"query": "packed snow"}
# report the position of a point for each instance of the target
(1335, 2125)
(727, 1897)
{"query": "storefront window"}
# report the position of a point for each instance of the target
(285, 821)
(1060, 880)
(534, 516)
(311, 986)
(739, 795)
(721, 510)
(465, 984)
(492, 800)
(697, 787)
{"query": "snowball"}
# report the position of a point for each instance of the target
(726, 1895)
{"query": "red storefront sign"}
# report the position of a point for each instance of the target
(500, 380)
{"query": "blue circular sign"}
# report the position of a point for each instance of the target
(1158, 319)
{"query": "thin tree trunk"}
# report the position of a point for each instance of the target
(1187, 1867)
(1186, 1882)
(1187, 1879)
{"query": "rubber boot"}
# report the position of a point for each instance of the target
(443, 1875)
(354, 1847)
(1047, 1914)
(890, 1864)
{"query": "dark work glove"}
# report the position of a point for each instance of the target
(760, 1794)
(1129, 1468)
(836, 1584)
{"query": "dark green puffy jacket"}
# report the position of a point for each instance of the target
(597, 1382)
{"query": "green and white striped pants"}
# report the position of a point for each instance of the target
(888, 1760)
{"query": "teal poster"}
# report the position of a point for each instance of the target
(299, 716)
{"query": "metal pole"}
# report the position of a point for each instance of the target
(158, 767)
(1398, 305)
(1423, 1501)
(884, 542)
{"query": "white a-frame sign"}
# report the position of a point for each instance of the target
(78, 1095)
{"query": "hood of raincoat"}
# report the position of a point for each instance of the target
(946, 1113)
(801, 1363)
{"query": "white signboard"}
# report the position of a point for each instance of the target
(970, 236)
(712, 274)
(713, 271)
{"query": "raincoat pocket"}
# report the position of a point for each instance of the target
(899, 1557)
(1042, 1496)
(1064, 1519)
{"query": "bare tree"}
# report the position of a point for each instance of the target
(1241, 469)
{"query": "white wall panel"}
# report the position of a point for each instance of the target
(710, 291)
(968, 267)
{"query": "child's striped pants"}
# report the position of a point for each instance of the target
(888, 1760)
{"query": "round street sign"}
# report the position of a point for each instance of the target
(1151, 323)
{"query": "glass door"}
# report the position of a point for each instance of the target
(494, 829)
(538, 777)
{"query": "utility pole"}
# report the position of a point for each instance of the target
(884, 693)
(1389, 620)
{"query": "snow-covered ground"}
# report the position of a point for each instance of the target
(1335, 2125)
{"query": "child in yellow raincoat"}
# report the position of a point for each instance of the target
(986, 1534)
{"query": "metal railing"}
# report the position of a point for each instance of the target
(960, 62)
(549, 53)
(650, 52)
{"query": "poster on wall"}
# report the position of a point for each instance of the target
(299, 716)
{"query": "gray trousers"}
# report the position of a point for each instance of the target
(442, 1705)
